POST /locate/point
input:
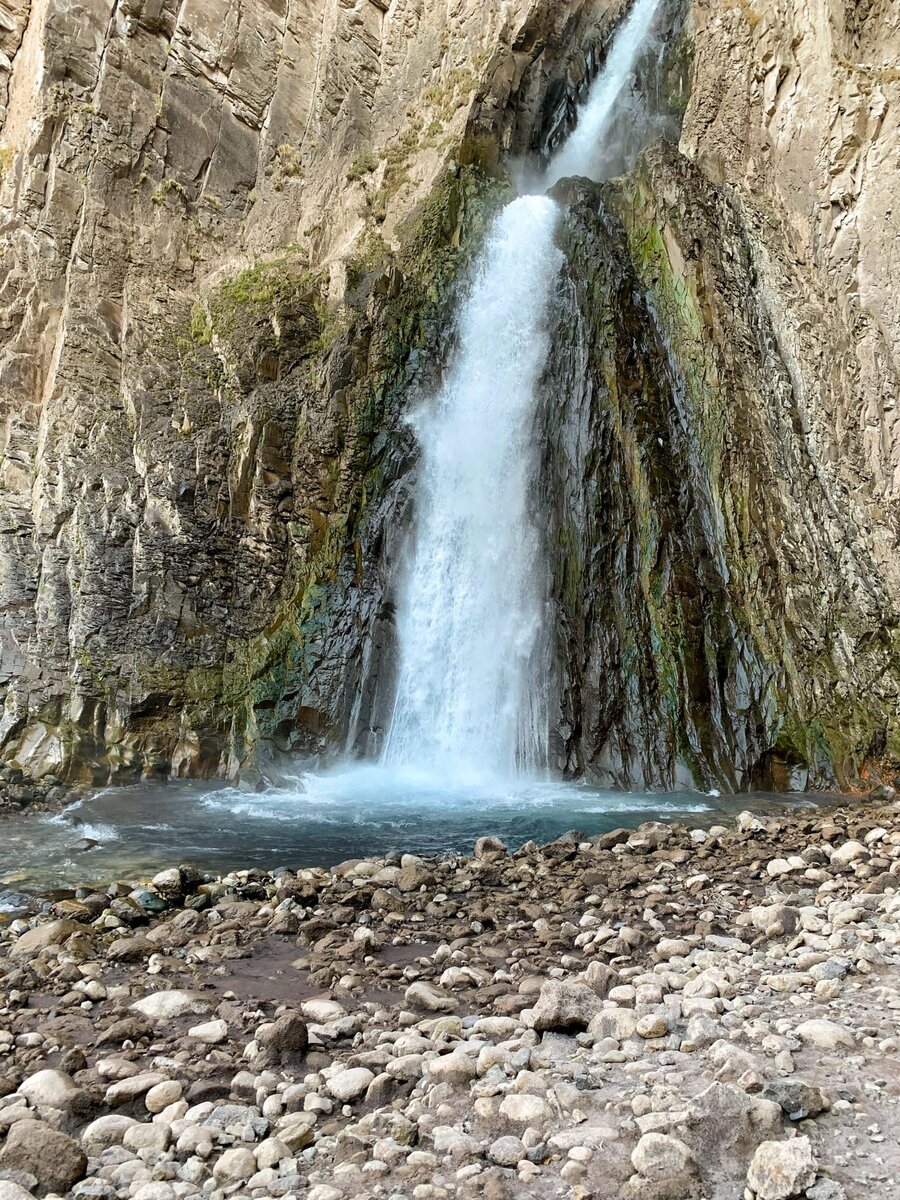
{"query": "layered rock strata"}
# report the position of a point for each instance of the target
(231, 240)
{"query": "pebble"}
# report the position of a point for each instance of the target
(655, 1013)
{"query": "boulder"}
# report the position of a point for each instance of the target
(176, 1002)
(235, 1166)
(456, 1069)
(565, 1004)
(488, 846)
(524, 1109)
(12, 1191)
(659, 1158)
(161, 1095)
(53, 1158)
(429, 996)
(507, 1152)
(104, 1132)
(797, 1098)
(780, 1170)
(284, 1038)
(827, 1035)
(54, 933)
(210, 1032)
(350, 1084)
(50, 1089)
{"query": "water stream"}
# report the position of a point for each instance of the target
(470, 698)
(472, 690)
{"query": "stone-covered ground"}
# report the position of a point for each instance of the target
(654, 1015)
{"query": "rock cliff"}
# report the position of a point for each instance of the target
(231, 237)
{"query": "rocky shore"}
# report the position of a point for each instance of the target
(19, 793)
(655, 1014)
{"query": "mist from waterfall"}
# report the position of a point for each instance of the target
(471, 612)
(472, 689)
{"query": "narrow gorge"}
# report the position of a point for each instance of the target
(210, 449)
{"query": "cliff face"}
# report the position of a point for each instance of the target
(722, 426)
(198, 208)
(231, 234)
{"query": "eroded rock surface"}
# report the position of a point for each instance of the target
(232, 234)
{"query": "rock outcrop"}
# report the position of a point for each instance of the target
(232, 235)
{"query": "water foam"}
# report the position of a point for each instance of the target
(472, 697)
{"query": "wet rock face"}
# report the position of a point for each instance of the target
(189, 400)
(231, 238)
(720, 423)
(720, 618)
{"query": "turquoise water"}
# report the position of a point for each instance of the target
(321, 819)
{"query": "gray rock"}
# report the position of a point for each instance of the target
(349, 1085)
(798, 1098)
(430, 997)
(507, 1151)
(565, 1004)
(285, 1038)
(780, 1170)
(659, 1158)
(55, 1160)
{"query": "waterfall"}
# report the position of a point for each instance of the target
(582, 151)
(469, 619)
(471, 692)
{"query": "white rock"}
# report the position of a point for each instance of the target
(826, 1034)
(210, 1032)
(166, 1006)
(659, 1157)
(104, 1132)
(350, 1084)
(668, 948)
(848, 853)
(12, 1191)
(454, 1142)
(565, 1004)
(155, 1136)
(48, 1089)
(524, 1109)
(507, 1152)
(271, 1152)
(653, 1025)
(324, 1191)
(132, 1087)
(782, 1169)
(456, 1069)
(429, 996)
(322, 1011)
(235, 1166)
(161, 1095)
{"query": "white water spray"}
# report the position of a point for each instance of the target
(470, 616)
(582, 151)
(470, 697)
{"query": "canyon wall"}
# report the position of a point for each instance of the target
(725, 460)
(231, 237)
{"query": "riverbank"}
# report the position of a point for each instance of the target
(657, 1013)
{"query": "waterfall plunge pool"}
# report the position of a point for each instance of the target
(322, 819)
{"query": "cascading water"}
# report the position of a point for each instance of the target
(470, 697)
(471, 613)
(582, 153)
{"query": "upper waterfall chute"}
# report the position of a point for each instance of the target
(582, 151)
